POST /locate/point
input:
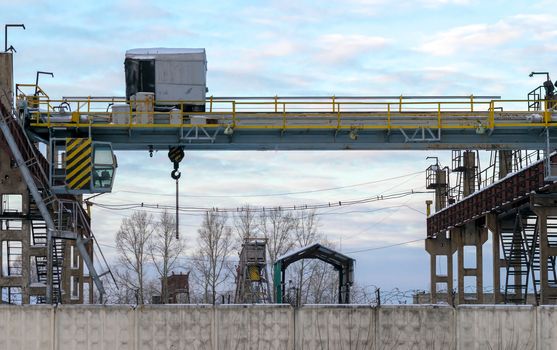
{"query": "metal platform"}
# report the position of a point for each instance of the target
(282, 123)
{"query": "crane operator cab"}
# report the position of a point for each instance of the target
(81, 166)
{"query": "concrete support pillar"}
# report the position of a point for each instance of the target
(441, 245)
(495, 228)
(6, 79)
(545, 206)
(505, 163)
(66, 273)
(469, 173)
(14, 197)
(472, 234)
(441, 190)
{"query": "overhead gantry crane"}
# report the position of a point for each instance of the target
(166, 108)
(188, 119)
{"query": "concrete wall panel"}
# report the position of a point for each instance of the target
(415, 327)
(335, 327)
(496, 327)
(95, 327)
(255, 327)
(26, 327)
(175, 327)
(547, 327)
(277, 327)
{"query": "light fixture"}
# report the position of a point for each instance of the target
(480, 129)
(228, 131)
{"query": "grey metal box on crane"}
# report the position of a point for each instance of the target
(171, 74)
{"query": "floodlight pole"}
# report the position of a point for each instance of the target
(6, 35)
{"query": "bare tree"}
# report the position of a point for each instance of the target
(164, 250)
(305, 234)
(245, 224)
(119, 292)
(210, 261)
(132, 242)
(316, 280)
(278, 228)
(322, 284)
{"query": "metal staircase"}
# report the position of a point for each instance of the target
(521, 247)
(517, 262)
(57, 268)
(61, 218)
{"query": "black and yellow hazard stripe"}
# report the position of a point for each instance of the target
(78, 163)
(176, 154)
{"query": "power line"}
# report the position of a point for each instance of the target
(128, 206)
(154, 212)
(385, 246)
(388, 215)
(274, 194)
(189, 258)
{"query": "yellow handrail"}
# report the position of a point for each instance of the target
(296, 113)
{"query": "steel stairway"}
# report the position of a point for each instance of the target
(521, 248)
(61, 218)
(517, 261)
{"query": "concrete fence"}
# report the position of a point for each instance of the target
(277, 327)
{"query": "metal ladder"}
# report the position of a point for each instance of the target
(32, 165)
(522, 253)
(517, 261)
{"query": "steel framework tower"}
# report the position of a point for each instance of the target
(252, 282)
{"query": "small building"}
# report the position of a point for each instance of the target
(179, 288)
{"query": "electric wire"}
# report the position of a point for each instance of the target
(128, 206)
(275, 194)
(385, 246)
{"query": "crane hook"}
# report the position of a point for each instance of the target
(175, 174)
(176, 154)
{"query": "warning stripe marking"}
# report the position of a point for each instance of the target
(176, 154)
(77, 151)
(78, 163)
(81, 180)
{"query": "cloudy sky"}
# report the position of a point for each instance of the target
(351, 47)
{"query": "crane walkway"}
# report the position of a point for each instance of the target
(295, 123)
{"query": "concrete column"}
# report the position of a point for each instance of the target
(441, 245)
(505, 163)
(544, 247)
(65, 286)
(472, 234)
(6, 79)
(545, 206)
(441, 190)
(11, 183)
(495, 228)
(25, 261)
(469, 173)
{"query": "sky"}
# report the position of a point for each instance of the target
(294, 48)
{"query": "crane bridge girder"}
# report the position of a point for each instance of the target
(312, 123)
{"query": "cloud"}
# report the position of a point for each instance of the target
(470, 38)
(339, 48)
(489, 39)
(437, 3)
(143, 9)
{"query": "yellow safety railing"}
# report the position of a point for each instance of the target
(283, 113)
